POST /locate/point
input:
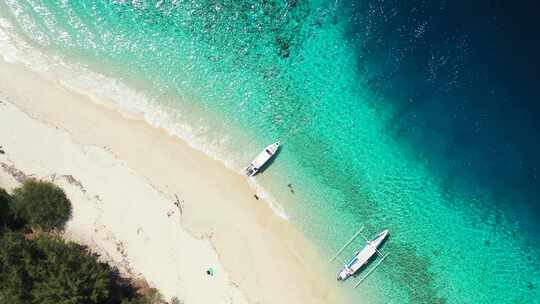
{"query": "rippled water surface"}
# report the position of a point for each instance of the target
(417, 116)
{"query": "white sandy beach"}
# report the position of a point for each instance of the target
(122, 175)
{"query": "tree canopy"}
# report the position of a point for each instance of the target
(42, 268)
(39, 203)
(4, 208)
(47, 270)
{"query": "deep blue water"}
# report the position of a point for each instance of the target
(463, 76)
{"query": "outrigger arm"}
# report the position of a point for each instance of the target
(347, 244)
(371, 270)
(384, 256)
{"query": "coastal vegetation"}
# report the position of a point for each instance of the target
(38, 266)
(4, 208)
(41, 204)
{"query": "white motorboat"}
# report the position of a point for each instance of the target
(262, 159)
(362, 257)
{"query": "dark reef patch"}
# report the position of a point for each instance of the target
(413, 270)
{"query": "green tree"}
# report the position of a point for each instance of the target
(48, 270)
(42, 268)
(68, 273)
(41, 203)
(4, 208)
(13, 254)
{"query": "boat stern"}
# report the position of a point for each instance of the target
(251, 170)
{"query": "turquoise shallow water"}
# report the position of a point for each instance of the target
(373, 132)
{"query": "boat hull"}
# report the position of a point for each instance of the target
(362, 257)
(261, 159)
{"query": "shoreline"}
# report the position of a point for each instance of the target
(218, 204)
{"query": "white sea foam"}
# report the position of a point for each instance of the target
(7, 50)
(109, 91)
(14, 50)
(267, 196)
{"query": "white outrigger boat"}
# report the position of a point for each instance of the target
(362, 257)
(262, 159)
